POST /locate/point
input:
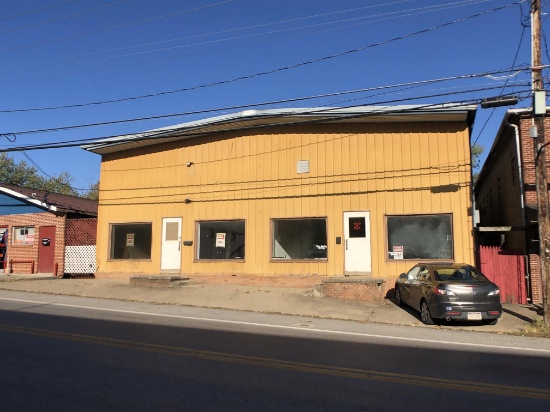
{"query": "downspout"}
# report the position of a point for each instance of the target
(522, 198)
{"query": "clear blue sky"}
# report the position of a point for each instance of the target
(61, 53)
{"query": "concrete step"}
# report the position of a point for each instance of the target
(165, 281)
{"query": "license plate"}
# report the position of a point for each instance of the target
(474, 316)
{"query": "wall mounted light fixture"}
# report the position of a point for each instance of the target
(187, 201)
(189, 164)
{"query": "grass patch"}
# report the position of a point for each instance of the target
(537, 329)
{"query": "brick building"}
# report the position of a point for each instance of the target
(42, 231)
(506, 198)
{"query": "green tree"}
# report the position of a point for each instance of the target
(60, 184)
(18, 174)
(93, 192)
(476, 152)
(23, 175)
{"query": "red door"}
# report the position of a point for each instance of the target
(46, 249)
(3, 247)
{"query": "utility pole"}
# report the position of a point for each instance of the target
(539, 115)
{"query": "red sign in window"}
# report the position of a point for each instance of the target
(357, 227)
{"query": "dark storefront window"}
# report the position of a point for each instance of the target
(131, 241)
(420, 237)
(299, 238)
(221, 240)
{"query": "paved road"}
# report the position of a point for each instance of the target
(71, 353)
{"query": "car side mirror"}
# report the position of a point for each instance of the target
(403, 276)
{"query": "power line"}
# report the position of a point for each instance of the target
(79, 126)
(160, 133)
(156, 133)
(187, 189)
(52, 178)
(35, 164)
(389, 15)
(114, 27)
(157, 60)
(167, 92)
(61, 17)
(227, 31)
(260, 104)
(524, 27)
(285, 68)
(36, 10)
(422, 82)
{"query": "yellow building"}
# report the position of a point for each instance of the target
(350, 191)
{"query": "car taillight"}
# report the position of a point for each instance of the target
(442, 291)
(495, 292)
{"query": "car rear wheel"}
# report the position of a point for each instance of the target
(425, 316)
(398, 300)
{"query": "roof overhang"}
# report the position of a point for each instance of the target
(252, 119)
(28, 199)
(500, 229)
(509, 121)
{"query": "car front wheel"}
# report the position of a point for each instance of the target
(398, 300)
(425, 316)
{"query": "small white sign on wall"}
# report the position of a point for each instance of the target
(302, 166)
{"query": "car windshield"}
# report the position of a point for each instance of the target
(459, 275)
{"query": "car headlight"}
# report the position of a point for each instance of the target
(495, 292)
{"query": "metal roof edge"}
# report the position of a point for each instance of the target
(335, 113)
(498, 137)
(28, 199)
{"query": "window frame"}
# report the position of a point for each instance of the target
(288, 260)
(414, 273)
(198, 259)
(112, 226)
(444, 215)
(12, 242)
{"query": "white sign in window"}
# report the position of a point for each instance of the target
(220, 239)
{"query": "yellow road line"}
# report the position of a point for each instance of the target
(469, 386)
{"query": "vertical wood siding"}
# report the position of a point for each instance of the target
(507, 270)
(392, 168)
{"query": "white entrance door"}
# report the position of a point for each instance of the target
(357, 255)
(171, 244)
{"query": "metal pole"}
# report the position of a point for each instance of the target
(540, 159)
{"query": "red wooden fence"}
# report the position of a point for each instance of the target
(507, 270)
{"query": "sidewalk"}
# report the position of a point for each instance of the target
(268, 298)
